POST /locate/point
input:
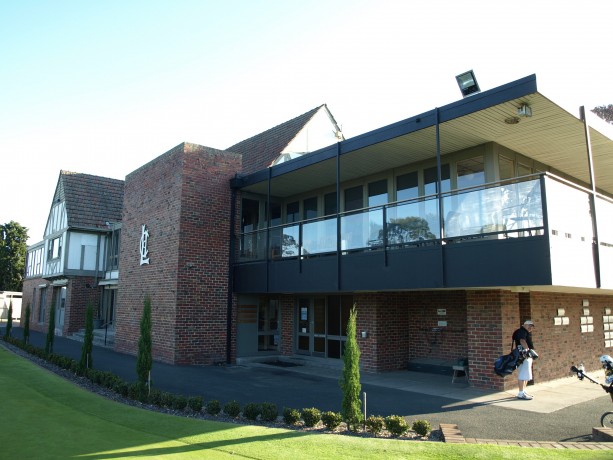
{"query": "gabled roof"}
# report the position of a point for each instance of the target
(91, 201)
(262, 149)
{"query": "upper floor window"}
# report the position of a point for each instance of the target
(377, 193)
(430, 180)
(471, 172)
(55, 248)
(113, 250)
(309, 208)
(354, 198)
(407, 186)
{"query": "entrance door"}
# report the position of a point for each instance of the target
(61, 308)
(322, 325)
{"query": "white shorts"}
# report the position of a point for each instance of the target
(525, 370)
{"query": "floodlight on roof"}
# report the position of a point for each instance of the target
(468, 83)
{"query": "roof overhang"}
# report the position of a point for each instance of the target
(551, 136)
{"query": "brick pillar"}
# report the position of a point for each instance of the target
(492, 316)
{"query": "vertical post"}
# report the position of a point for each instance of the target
(338, 216)
(439, 196)
(268, 221)
(590, 164)
(364, 409)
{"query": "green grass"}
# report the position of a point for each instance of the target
(42, 416)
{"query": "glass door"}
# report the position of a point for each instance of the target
(322, 325)
(304, 326)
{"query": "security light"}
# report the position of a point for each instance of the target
(468, 83)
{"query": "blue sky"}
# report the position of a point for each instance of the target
(104, 87)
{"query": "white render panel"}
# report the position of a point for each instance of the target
(318, 133)
(58, 220)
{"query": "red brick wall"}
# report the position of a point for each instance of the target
(287, 304)
(492, 316)
(31, 295)
(450, 342)
(78, 296)
(203, 265)
(559, 347)
(183, 197)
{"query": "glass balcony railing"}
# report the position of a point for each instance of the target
(507, 209)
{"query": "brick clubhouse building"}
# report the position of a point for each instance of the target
(447, 230)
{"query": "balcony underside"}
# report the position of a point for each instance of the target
(462, 264)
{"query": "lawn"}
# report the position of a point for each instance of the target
(43, 416)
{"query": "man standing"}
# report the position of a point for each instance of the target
(523, 337)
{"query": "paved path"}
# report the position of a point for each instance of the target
(563, 412)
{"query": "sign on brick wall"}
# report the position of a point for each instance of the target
(144, 252)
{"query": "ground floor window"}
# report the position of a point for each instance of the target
(268, 325)
(42, 304)
(321, 325)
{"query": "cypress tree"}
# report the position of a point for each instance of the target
(26, 325)
(144, 359)
(50, 330)
(9, 321)
(350, 380)
(88, 340)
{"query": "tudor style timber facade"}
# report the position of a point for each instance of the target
(447, 230)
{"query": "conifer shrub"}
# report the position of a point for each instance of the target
(232, 409)
(331, 420)
(86, 361)
(396, 425)
(350, 379)
(9, 321)
(311, 416)
(26, 325)
(50, 330)
(269, 412)
(291, 416)
(251, 411)
(144, 358)
(213, 407)
(374, 424)
(422, 427)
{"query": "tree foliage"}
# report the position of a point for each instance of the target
(406, 230)
(605, 112)
(88, 340)
(144, 359)
(13, 238)
(350, 380)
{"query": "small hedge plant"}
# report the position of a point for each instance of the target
(422, 427)
(331, 420)
(374, 424)
(232, 409)
(311, 416)
(195, 403)
(269, 412)
(291, 416)
(213, 407)
(252, 411)
(396, 425)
